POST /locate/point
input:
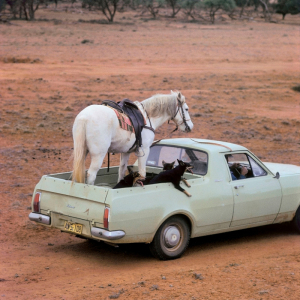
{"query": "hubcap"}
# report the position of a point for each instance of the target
(171, 236)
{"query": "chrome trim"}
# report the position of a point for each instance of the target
(40, 218)
(109, 235)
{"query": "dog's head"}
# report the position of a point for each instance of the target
(168, 166)
(133, 177)
(188, 167)
(137, 178)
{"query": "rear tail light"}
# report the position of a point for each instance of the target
(106, 217)
(36, 202)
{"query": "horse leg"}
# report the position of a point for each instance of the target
(142, 161)
(96, 163)
(123, 165)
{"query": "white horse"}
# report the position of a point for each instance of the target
(96, 130)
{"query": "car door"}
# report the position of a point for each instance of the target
(212, 202)
(257, 195)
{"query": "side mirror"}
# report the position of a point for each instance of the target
(277, 176)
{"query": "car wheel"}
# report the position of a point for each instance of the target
(171, 239)
(296, 220)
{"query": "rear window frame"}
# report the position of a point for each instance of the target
(182, 148)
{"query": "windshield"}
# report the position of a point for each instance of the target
(198, 159)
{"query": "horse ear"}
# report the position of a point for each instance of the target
(179, 96)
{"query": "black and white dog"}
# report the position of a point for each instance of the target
(129, 180)
(174, 176)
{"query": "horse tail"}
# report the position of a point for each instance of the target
(80, 149)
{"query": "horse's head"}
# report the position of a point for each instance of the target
(182, 118)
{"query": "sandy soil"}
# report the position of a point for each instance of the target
(237, 78)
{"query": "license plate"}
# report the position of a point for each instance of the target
(73, 227)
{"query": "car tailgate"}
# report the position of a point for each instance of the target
(77, 200)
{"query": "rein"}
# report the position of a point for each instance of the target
(151, 128)
(157, 141)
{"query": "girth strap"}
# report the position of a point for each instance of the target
(135, 115)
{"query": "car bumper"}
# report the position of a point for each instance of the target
(40, 218)
(95, 232)
(108, 235)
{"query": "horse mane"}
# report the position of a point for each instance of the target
(161, 104)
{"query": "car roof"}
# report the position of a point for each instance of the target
(202, 144)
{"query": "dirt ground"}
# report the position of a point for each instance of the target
(237, 77)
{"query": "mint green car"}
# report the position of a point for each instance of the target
(231, 189)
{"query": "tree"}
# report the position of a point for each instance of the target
(2, 5)
(189, 7)
(88, 3)
(215, 5)
(266, 11)
(24, 7)
(285, 7)
(175, 6)
(107, 7)
(153, 6)
(243, 4)
(14, 7)
(32, 6)
(132, 4)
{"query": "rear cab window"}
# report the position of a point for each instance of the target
(198, 159)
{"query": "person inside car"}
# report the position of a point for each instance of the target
(242, 173)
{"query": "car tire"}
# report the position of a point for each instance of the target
(296, 220)
(171, 239)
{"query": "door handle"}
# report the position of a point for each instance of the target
(238, 186)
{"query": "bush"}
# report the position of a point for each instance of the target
(285, 7)
(214, 5)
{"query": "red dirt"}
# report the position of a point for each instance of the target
(237, 78)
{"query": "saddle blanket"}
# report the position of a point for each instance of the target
(124, 121)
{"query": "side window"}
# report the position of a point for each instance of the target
(239, 166)
(197, 159)
(257, 169)
(243, 166)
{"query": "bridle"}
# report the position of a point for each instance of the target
(178, 110)
(182, 114)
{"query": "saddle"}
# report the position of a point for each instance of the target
(128, 108)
